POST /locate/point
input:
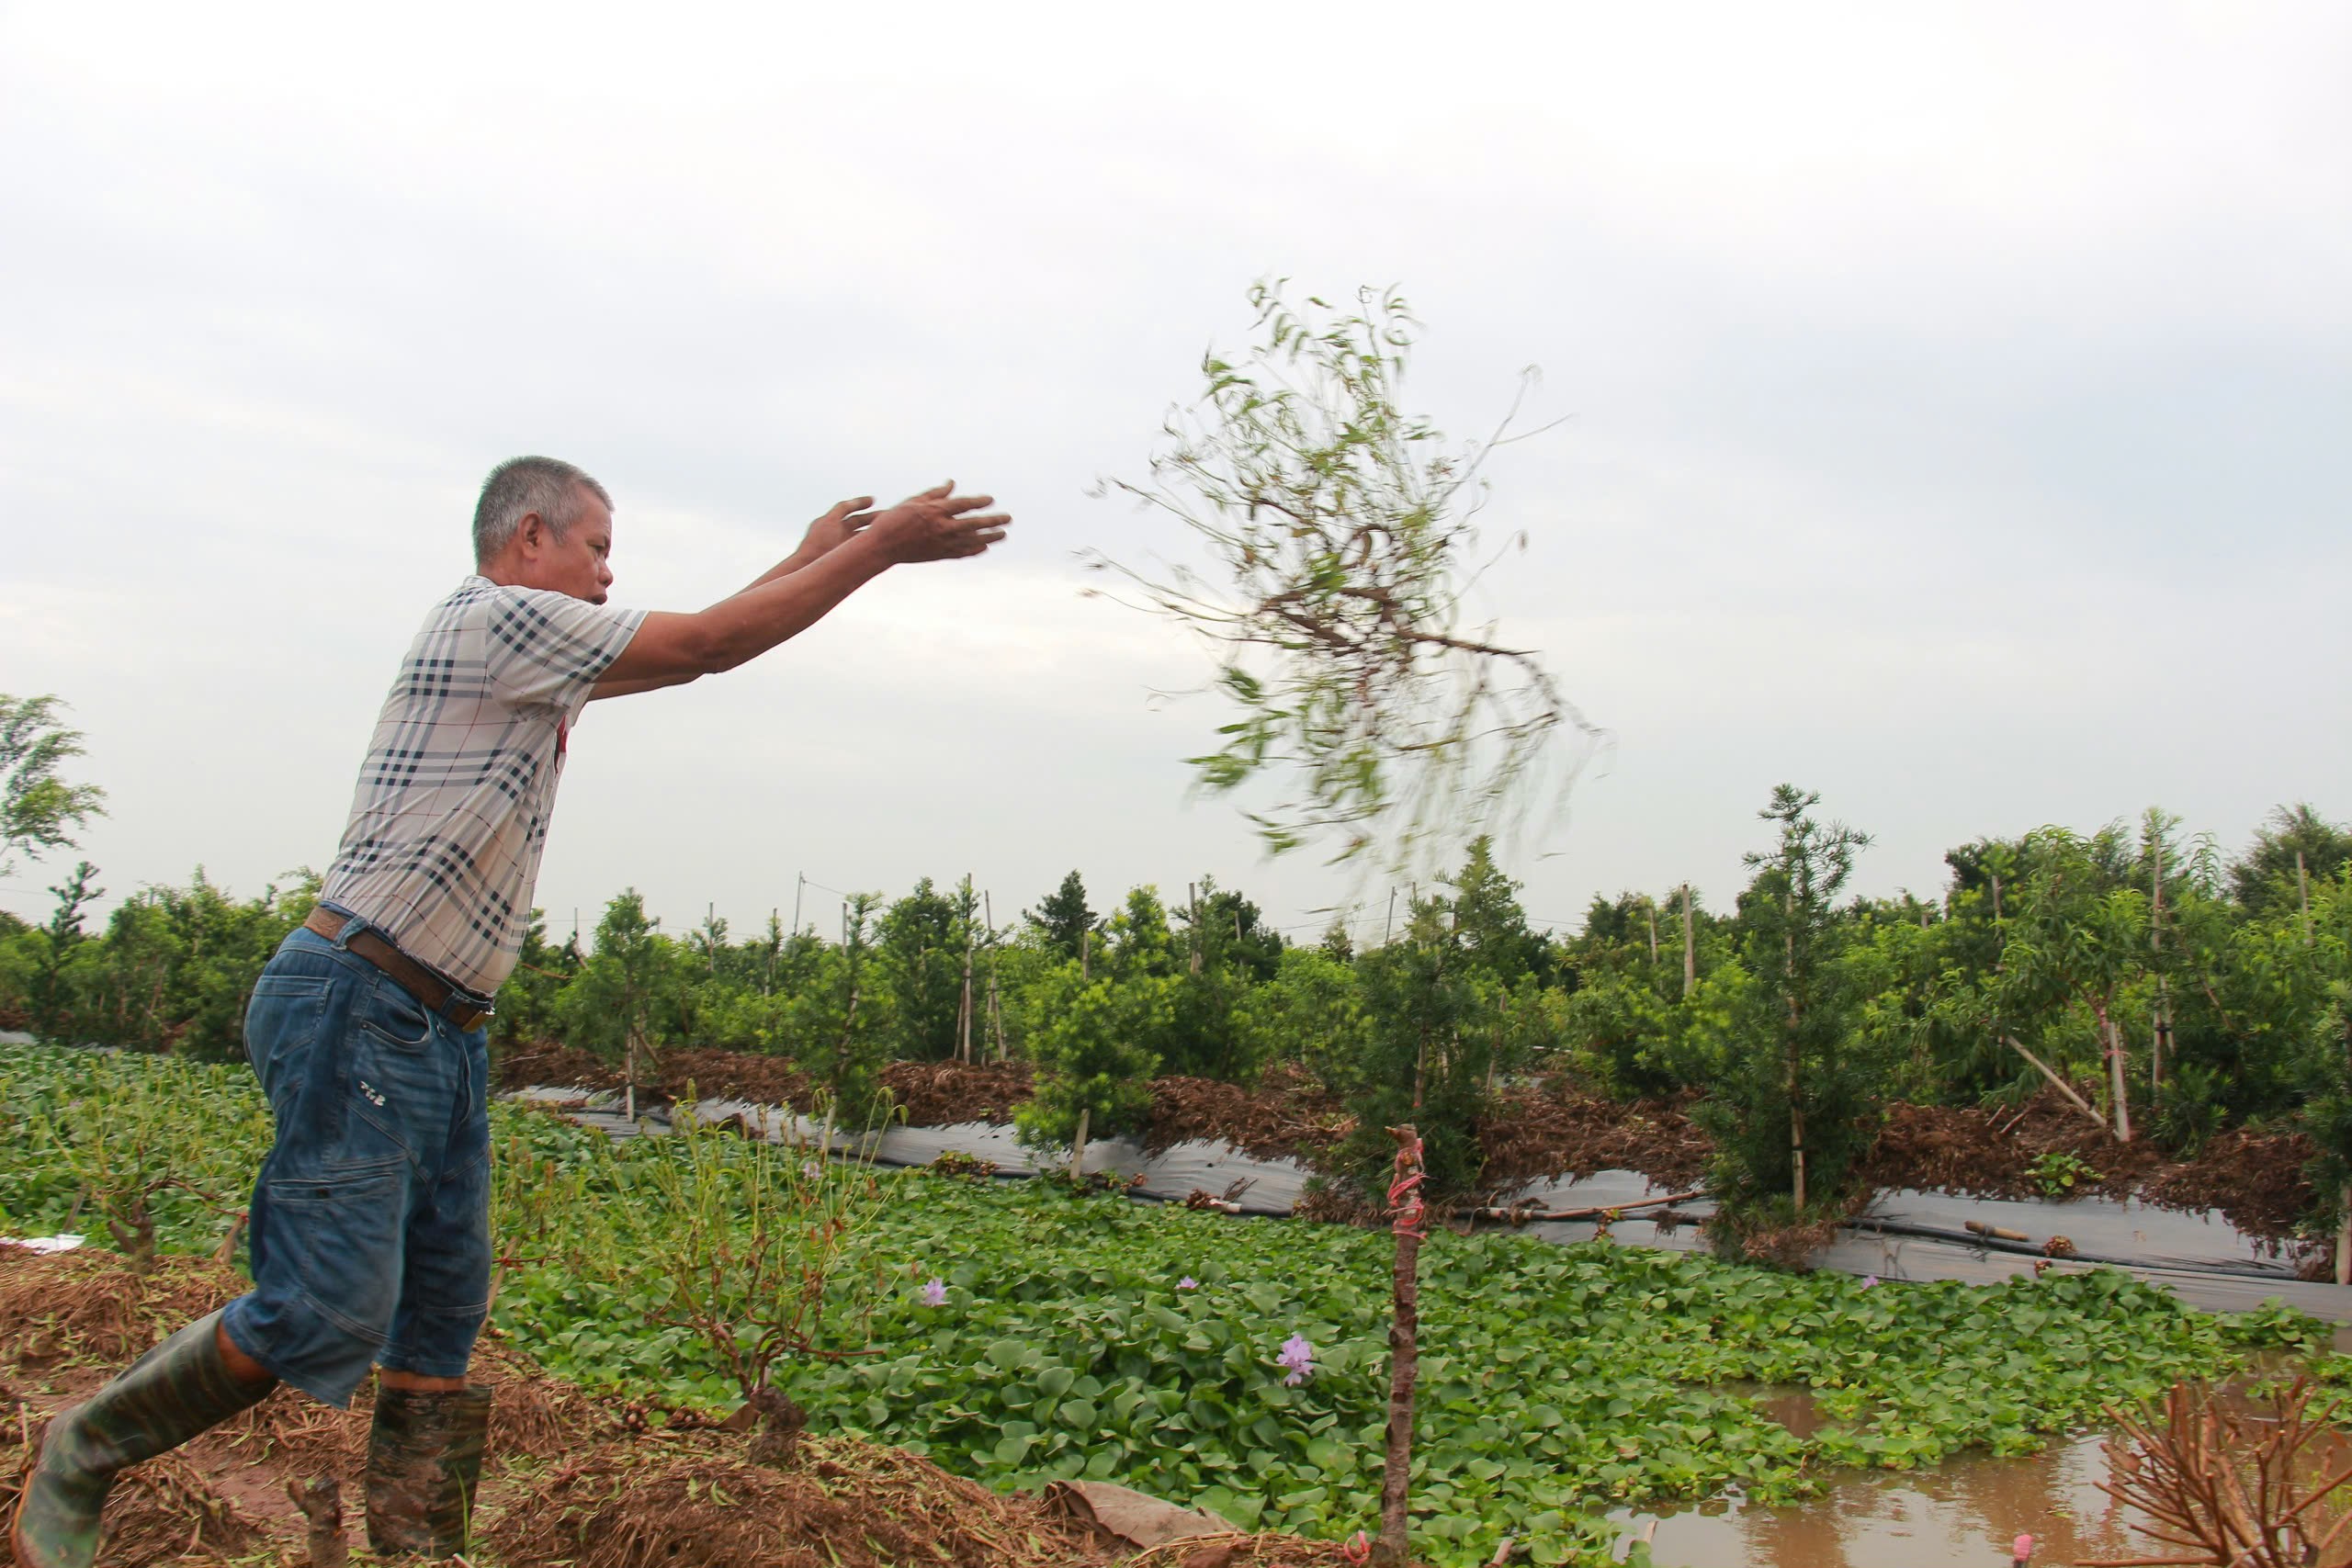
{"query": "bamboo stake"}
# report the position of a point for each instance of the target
(1689, 947)
(2060, 1085)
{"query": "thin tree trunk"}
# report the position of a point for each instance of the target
(1192, 902)
(1077, 1147)
(964, 1002)
(1796, 1105)
(1689, 947)
(2343, 1235)
(1649, 908)
(2303, 892)
(1404, 1352)
(2113, 1034)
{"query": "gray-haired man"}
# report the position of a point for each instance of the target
(370, 1222)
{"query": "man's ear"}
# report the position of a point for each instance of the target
(531, 533)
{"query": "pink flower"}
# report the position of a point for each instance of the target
(1869, 1280)
(1299, 1357)
(934, 1293)
(1188, 1283)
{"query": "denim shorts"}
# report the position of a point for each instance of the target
(370, 1222)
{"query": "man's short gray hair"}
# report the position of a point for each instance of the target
(520, 486)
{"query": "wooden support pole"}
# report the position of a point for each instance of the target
(1392, 1550)
(2060, 1085)
(1689, 947)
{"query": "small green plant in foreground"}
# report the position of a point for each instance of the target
(2057, 1171)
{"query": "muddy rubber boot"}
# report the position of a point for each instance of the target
(168, 1396)
(424, 1458)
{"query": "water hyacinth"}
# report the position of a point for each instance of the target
(1188, 1283)
(934, 1292)
(1299, 1357)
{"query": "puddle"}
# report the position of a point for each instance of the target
(1964, 1514)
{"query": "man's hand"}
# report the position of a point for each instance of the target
(939, 525)
(845, 521)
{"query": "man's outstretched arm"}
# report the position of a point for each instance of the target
(671, 649)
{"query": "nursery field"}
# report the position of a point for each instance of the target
(1016, 1334)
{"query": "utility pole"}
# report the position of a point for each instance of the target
(799, 885)
(1388, 933)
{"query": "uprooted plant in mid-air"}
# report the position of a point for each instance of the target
(1341, 539)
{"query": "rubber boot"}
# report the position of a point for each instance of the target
(168, 1396)
(423, 1460)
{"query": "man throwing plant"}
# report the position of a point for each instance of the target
(370, 1222)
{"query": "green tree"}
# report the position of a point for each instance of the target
(921, 945)
(616, 1004)
(847, 1043)
(1428, 1042)
(2296, 848)
(52, 998)
(1092, 1071)
(1797, 1105)
(2079, 937)
(1062, 920)
(39, 810)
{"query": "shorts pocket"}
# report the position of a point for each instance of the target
(343, 1234)
(394, 1016)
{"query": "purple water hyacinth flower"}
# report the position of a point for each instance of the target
(1299, 1357)
(934, 1293)
(1188, 1283)
(1869, 1280)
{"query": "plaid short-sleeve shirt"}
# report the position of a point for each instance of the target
(451, 813)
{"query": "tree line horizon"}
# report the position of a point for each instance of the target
(2162, 990)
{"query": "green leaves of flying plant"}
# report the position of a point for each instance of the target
(1340, 540)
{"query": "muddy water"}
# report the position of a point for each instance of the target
(1965, 1512)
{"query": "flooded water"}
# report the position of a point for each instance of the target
(1966, 1513)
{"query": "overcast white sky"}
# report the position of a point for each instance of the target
(1960, 397)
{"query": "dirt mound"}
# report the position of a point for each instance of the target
(734, 1074)
(689, 1500)
(2257, 1179)
(1287, 1116)
(1554, 1130)
(557, 1066)
(942, 1094)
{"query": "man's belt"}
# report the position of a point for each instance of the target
(414, 978)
